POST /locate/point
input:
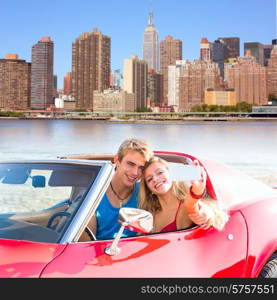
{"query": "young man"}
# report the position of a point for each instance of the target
(123, 189)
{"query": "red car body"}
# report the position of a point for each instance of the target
(241, 249)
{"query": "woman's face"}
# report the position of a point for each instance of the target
(157, 178)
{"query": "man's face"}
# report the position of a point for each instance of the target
(129, 169)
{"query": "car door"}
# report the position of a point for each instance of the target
(186, 253)
(21, 259)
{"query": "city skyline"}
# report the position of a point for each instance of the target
(23, 23)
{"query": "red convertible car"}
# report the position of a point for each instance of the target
(45, 207)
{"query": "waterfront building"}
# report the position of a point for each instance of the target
(151, 45)
(174, 73)
(116, 79)
(114, 100)
(248, 79)
(188, 82)
(15, 83)
(227, 97)
(91, 59)
(170, 52)
(232, 46)
(135, 79)
(55, 86)
(65, 102)
(67, 90)
(272, 73)
(267, 53)
(42, 78)
(257, 50)
(205, 49)
(228, 63)
(219, 50)
(154, 88)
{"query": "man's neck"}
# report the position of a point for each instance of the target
(120, 187)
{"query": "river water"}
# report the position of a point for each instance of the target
(248, 146)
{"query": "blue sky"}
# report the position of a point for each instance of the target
(24, 22)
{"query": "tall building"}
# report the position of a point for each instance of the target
(151, 45)
(135, 80)
(188, 82)
(248, 79)
(15, 83)
(218, 54)
(272, 73)
(91, 66)
(170, 52)
(55, 86)
(267, 53)
(42, 80)
(174, 74)
(67, 90)
(257, 50)
(154, 82)
(232, 46)
(205, 50)
(117, 79)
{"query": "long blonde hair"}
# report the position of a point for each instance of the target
(150, 202)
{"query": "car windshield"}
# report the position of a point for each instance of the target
(38, 200)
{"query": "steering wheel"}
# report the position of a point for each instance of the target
(54, 216)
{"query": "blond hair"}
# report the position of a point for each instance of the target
(134, 144)
(150, 202)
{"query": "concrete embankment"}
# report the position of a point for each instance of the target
(156, 120)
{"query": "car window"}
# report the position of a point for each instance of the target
(31, 194)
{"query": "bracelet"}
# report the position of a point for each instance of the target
(196, 196)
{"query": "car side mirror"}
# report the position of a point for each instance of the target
(134, 219)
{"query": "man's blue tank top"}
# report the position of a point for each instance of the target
(107, 217)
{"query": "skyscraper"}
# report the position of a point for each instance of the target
(151, 45)
(232, 45)
(267, 53)
(188, 82)
(170, 51)
(219, 54)
(272, 73)
(15, 79)
(154, 82)
(257, 50)
(248, 79)
(205, 50)
(67, 84)
(91, 66)
(135, 79)
(42, 80)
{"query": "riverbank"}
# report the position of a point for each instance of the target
(156, 120)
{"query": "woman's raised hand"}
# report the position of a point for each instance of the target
(198, 187)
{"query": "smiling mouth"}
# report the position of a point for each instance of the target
(159, 185)
(131, 179)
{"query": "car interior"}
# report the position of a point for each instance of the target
(18, 182)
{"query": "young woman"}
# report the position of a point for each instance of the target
(177, 205)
